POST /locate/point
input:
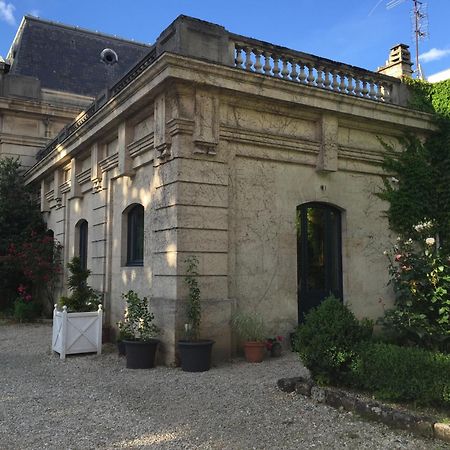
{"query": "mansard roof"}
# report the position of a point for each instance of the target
(68, 58)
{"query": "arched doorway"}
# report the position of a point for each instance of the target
(319, 255)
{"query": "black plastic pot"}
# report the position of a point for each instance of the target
(121, 348)
(141, 355)
(195, 356)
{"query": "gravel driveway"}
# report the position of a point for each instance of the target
(92, 401)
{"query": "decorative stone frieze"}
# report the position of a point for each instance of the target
(75, 188)
(162, 141)
(57, 195)
(96, 173)
(124, 137)
(206, 128)
(45, 207)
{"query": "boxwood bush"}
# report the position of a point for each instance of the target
(337, 349)
(399, 373)
(328, 338)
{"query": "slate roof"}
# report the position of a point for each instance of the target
(67, 58)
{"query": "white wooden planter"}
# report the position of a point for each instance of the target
(77, 332)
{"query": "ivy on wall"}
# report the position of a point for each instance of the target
(419, 191)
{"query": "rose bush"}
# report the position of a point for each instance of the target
(420, 275)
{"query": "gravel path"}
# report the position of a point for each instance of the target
(92, 401)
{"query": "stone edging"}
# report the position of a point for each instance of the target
(371, 409)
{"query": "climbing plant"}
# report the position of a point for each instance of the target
(418, 192)
(419, 189)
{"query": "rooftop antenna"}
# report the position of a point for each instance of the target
(419, 18)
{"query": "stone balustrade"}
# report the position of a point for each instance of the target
(279, 62)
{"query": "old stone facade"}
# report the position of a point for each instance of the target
(261, 161)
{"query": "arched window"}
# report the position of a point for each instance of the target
(135, 236)
(82, 242)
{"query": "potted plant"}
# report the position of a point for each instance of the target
(273, 345)
(252, 331)
(77, 319)
(124, 334)
(140, 332)
(195, 353)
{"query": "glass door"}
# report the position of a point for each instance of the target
(319, 255)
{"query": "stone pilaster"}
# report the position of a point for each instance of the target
(124, 136)
(327, 160)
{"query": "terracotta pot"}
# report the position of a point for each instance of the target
(254, 351)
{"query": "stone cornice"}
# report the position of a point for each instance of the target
(10, 105)
(174, 67)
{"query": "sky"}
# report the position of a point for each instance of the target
(356, 32)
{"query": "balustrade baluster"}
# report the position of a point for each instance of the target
(342, 83)
(379, 93)
(387, 92)
(267, 67)
(311, 76)
(302, 76)
(258, 65)
(334, 84)
(294, 73)
(276, 67)
(327, 81)
(350, 86)
(248, 58)
(285, 70)
(239, 59)
(365, 90)
(372, 93)
(319, 80)
(357, 87)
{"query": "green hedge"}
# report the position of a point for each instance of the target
(399, 373)
(337, 349)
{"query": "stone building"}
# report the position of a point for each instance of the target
(260, 160)
(53, 72)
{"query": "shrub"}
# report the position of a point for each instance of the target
(138, 319)
(399, 373)
(26, 311)
(83, 298)
(328, 339)
(193, 305)
(420, 275)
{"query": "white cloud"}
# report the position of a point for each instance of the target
(34, 12)
(440, 76)
(434, 54)
(7, 12)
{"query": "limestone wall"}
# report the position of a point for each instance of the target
(220, 173)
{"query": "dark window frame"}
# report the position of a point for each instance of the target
(135, 236)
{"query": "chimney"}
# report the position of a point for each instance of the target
(399, 63)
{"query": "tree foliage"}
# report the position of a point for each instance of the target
(19, 211)
(20, 223)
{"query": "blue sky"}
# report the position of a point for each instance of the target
(350, 31)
